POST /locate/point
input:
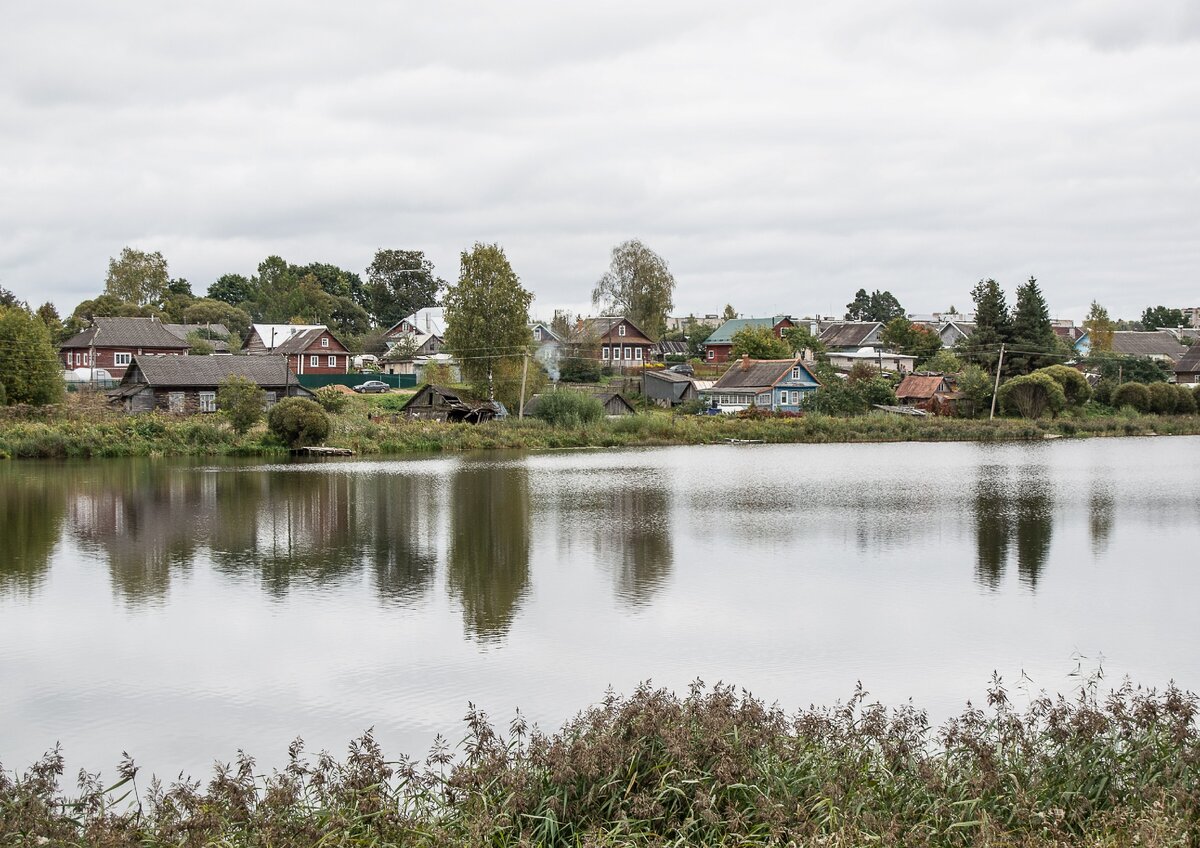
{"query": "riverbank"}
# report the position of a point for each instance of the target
(96, 432)
(72, 435)
(711, 768)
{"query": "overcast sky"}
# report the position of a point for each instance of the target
(778, 156)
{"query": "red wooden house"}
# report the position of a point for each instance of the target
(111, 344)
(621, 343)
(310, 348)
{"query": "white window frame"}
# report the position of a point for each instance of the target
(795, 373)
(324, 341)
(604, 352)
(629, 354)
(120, 359)
(637, 353)
(78, 358)
(314, 361)
(537, 334)
(208, 401)
(621, 330)
(795, 398)
(712, 354)
(332, 361)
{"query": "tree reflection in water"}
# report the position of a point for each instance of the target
(401, 530)
(1100, 517)
(488, 556)
(1010, 510)
(31, 515)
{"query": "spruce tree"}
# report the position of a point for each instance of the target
(1033, 338)
(993, 325)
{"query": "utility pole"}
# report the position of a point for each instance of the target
(524, 374)
(996, 390)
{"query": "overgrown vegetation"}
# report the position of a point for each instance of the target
(298, 422)
(569, 409)
(241, 401)
(714, 767)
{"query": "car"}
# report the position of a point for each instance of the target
(372, 386)
(683, 368)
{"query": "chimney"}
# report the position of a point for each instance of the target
(745, 361)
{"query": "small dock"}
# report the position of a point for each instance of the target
(319, 450)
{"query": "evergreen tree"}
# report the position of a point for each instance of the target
(487, 316)
(1033, 338)
(993, 325)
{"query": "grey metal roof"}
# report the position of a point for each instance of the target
(300, 342)
(757, 374)
(1190, 361)
(1154, 343)
(204, 371)
(126, 332)
(849, 333)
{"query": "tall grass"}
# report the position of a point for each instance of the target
(714, 767)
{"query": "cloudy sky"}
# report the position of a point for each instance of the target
(778, 155)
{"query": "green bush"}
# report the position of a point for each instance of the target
(1032, 396)
(298, 422)
(569, 409)
(241, 401)
(579, 369)
(3, 396)
(877, 390)
(1162, 398)
(331, 399)
(1103, 391)
(1185, 401)
(837, 397)
(1134, 395)
(1074, 384)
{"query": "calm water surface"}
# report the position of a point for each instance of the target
(181, 611)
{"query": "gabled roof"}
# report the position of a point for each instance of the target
(849, 333)
(1153, 343)
(205, 371)
(301, 341)
(963, 328)
(724, 333)
(1190, 361)
(429, 319)
(274, 335)
(547, 330)
(759, 373)
(126, 332)
(672, 348)
(602, 326)
(920, 386)
(182, 330)
(667, 376)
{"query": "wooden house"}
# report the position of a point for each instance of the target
(621, 343)
(310, 348)
(112, 343)
(1187, 369)
(778, 385)
(441, 403)
(189, 384)
(717, 346)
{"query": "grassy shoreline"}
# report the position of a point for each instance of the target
(79, 433)
(713, 767)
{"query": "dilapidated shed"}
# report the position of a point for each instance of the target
(441, 403)
(669, 388)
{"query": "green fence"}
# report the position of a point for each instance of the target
(396, 381)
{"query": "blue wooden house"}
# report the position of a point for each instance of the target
(778, 385)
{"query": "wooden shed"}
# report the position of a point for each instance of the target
(440, 403)
(189, 384)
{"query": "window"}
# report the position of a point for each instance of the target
(712, 354)
(628, 354)
(621, 330)
(795, 398)
(537, 333)
(208, 401)
(270, 398)
(324, 341)
(121, 358)
(79, 359)
(604, 352)
(314, 361)
(637, 353)
(795, 373)
(175, 401)
(333, 362)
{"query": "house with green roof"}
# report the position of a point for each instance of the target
(717, 346)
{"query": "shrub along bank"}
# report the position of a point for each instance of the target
(711, 768)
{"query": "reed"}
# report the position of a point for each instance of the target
(713, 767)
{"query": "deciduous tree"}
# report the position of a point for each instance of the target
(911, 339)
(877, 306)
(638, 285)
(241, 401)
(487, 315)
(399, 282)
(29, 366)
(1157, 317)
(758, 343)
(1099, 329)
(137, 277)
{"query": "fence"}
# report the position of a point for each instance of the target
(396, 381)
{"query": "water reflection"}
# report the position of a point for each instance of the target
(488, 553)
(1012, 510)
(31, 514)
(400, 529)
(1100, 517)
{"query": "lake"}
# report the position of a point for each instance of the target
(180, 610)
